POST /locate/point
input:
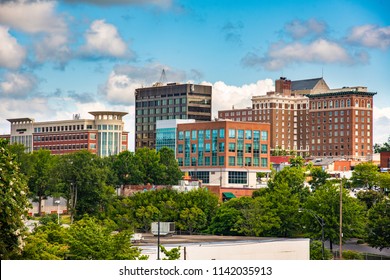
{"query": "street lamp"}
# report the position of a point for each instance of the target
(321, 221)
(58, 210)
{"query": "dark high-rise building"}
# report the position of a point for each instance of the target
(170, 101)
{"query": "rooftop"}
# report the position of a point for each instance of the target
(304, 84)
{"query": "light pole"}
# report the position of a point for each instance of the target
(58, 210)
(321, 221)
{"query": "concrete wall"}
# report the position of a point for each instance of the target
(288, 249)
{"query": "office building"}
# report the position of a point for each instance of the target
(224, 153)
(166, 102)
(341, 123)
(102, 135)
(166, 131)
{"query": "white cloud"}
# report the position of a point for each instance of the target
(381, 124)
(162, 3)
(282, 54)
(225, 96)
(103, 39)
(124, 79)
(12, 54)
(370, 36)
(17, 85)
(298, 28)
(40, 19)
(32, 16)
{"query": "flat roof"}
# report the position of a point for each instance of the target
(21, 120)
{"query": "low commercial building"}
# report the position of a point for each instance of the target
(224, 153)
(104, 135)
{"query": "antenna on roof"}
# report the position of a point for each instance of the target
(163, 77)
(322, 72)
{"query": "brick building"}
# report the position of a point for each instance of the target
(224, 153)
(103, 135)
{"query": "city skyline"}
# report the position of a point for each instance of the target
(70, 58)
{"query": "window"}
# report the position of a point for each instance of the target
(264, 135)
(232, 147)
(193, 135)
(264, 162)
(232, 161)
(248, 148)
(232, 133)
(248, 134)
(264, 149)
(180, 148)
(237, 177)
(221, 147)
(240, 134)
(221, 160)
(181, 135)
(207, 147)
(222, 133)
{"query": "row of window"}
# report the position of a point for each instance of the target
(220, 161)
(339, 104)
(336, 147)
(256, 135)
(234, 177)
(163, 102)
(65, 147)
(66, 137)
(239, 147)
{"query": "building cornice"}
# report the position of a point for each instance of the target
(340, 93)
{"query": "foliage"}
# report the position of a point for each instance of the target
(325, 203)
(89, 240)
(82, 177)
(384, 182)
(192, 219)
(316, 251)
(173, 254)
(40, 180)
(352, 255)
(378, 228)
(369, 197)
(385, 147)
(47, 242)
(319, 177)
(294, 177)
(365, 175)
(50, 218)
(13, 202)
(298, 162)
(229, 215)
(171, 171)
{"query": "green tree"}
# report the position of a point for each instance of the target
(298, 162)
(316, 251)
(385, 147)
(229, 216)
(90, 240)
(126, 169)
(365, 175)
(13, 203)
(47, 242)
(173, 254)
(82, 177)
(384, 182)
(369, 197)
(145, 216)
(149, 165)
(172, 173)
(378, 229)
(294, 177)
(325, 202)
(319, 177)
(40, 176)
(192, 219)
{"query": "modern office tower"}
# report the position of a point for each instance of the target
(224, 153)
(165, 102)
(166, 132)
(102, 135)
(341, 123)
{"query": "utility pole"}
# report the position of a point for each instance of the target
(341, 218)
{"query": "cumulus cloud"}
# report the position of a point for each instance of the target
(32, 16)
(298, 29)
(371, 36)
(225, 96)
(103, 39)
(12, 54)
(161, 3)
(17, 85)
(40, 19)
(282, 54)
(124, 79)
(381, 124)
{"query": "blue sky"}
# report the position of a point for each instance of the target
(58, 58)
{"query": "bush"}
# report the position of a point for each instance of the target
(352, 255)
(316, 251)
(52, 218)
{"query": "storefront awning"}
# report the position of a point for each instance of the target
(228, 195)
